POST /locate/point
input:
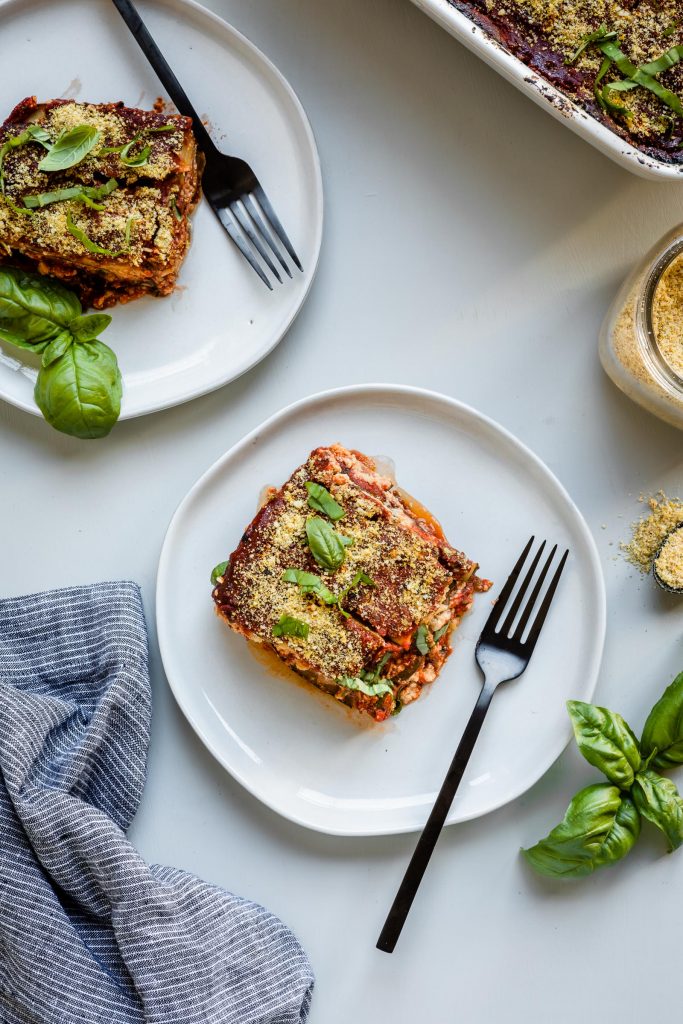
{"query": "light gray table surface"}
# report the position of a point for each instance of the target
(472, 245)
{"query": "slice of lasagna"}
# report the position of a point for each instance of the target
(98, 195)
(349, 582)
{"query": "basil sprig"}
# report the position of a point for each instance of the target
(287, 625)
(78, 389)
(422, 639)
(603, 821)
(320, 500)
(71, 148)
(634, 76)
(327, 546)
(89, 194)
(309, 583)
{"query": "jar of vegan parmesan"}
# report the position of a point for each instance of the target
(641, 341)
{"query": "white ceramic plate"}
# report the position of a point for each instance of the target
(221, 320)
(547, 96)
(296, 749)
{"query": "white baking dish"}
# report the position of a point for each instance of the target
(546, 95)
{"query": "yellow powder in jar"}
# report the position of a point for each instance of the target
(667, 315)
(649, 531)
(669, 562)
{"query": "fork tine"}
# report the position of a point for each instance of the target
(514, 607)
(526, 614)
(270, 213)
(240, 241)
(260, 222)
(499, 606)
(246, 225)
(530, 641)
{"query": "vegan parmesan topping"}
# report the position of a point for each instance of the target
(667, 316)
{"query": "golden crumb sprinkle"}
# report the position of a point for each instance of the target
(667, 315)
(650, 530)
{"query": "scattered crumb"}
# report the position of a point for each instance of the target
(649, 531)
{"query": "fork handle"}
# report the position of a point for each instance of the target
(427, 841)
(163, 71)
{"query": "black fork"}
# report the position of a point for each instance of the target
(502, 655)
(231, 188)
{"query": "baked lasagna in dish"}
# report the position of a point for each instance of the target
(98, 196)
(621, 61)
(350, 582)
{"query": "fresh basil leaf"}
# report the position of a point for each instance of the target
(85, 328)
(33, 310)
(320, 499)
(163, 128)
(71, 148)
(659, 801)
(87, 193)
(57, 348)
(599, 35)
(138, 159)
(327, 546)
(600, 827)
(606, 741)
(80, 393)
(39, 134)
(440, 632)
(422, 639)
(217, 572)
(369, 689)
(309, 583)
(289, 626)
(664, 727)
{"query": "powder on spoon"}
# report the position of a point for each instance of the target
(669, 562)
(649, 531)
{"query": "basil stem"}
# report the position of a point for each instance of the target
(70, 148)
(17, 209)
(289, 626)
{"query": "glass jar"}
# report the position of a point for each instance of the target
(639, 346)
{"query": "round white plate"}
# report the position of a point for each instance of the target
(296, 749)
(221, 320)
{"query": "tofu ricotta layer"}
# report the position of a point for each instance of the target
(374, 630)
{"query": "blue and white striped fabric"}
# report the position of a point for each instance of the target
(89, 933)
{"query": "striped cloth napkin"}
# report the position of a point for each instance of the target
(90, 933)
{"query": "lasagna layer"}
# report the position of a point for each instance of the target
(144, 171)
(372, 643)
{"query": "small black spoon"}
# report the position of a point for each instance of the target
(658, 579)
